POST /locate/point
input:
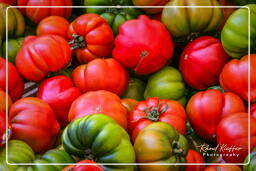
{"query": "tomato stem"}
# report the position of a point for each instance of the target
(154, 113)
(77, 42)
(89, 155)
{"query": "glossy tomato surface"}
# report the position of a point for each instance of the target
(84, 167)
(5, 102)
(195, 157)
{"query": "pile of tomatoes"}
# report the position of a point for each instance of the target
(169, 88)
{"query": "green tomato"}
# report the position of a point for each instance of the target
(234, 35)
(166, 84)
(135, 89)
(114, 16)
(252, 165)
(14, 46)
(98, 137)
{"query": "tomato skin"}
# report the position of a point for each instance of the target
(4, 134)
(59, 92)
(84, 167)
(37, 14)
(96, 34)
(253, 110)
(206, 109)
(10, 2)
(135, 89)
(223, 168)
(239, 84)
(150, 3)
(174, 114)
(100, 101)
(32, 119)
(147, 54)
(194, 157)
(14, 46)
(101, 74)
(42, 54)
(129, 104)
(227, 135)
(3, 95)
(53, 25)
(15, 81)
(202, 58)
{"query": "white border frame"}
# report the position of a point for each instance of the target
(133, 164)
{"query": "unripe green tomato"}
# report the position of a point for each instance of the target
(14, 46)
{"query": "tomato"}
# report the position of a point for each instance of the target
(101, 74)
(59, 92)
(203, 58)
(253, 110)
(194, 157)
(236, 138)
(187, 23)
(100, 101)
(99, 138)
(147, 54)
(166, 84)
(159, 142)
(234, 35)
(244, 2)
(3, 103)
(10, 2)
(135, 89)
(37, 14)
(53, 25)
(129, 104)
(226, 11)
(33, 121)
(239, 83)
(15, 81)
(206, 109)
(84, 167)
(91, 37)
(252, 163)
(223, 168)
(150, 3)
(16, 22)
(42, 54)
(153, 110)
(4, 134)
(14, 46)
(114, 16)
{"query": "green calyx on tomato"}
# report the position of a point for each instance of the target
(135, 89)
(166, 84)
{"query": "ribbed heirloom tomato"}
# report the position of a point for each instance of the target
(42, 54)
(234, 77)
(194, 157)
(206, 109)
(91, 37)
(143, 44)
(34, 122)
(101, 74)
(202, 61)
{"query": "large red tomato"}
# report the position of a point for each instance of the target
(53, 25)
(153, 110)
(143, 44)
(234, 77)
(232, 136)
(37, 14)
(10, 2)
(101, 74)
(84, 167)
(202, 61)
(101, 101)
(91, 37)
(42, 54)
(4, 134)
(59, 92)
(253, 110)
(33, 122)
(15, 82)
(206, 109)
(3, 103)
(194, 157)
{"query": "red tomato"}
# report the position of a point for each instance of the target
(53, 25)
(253, 110)
(3, 106)
(42, 54)
(232, 132)
(206, 109)
(223, 168)
(4, 134)
(155, 109)
(202, 61)
(15, 81)
(194, 157)
(59, 92)
(33, 122)
(37, 14)
(234, 77)
(101, 101)
(101, 74)
(10, 2)
(91, 37)
(84, 167)
(129, 104)
(143, 44)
